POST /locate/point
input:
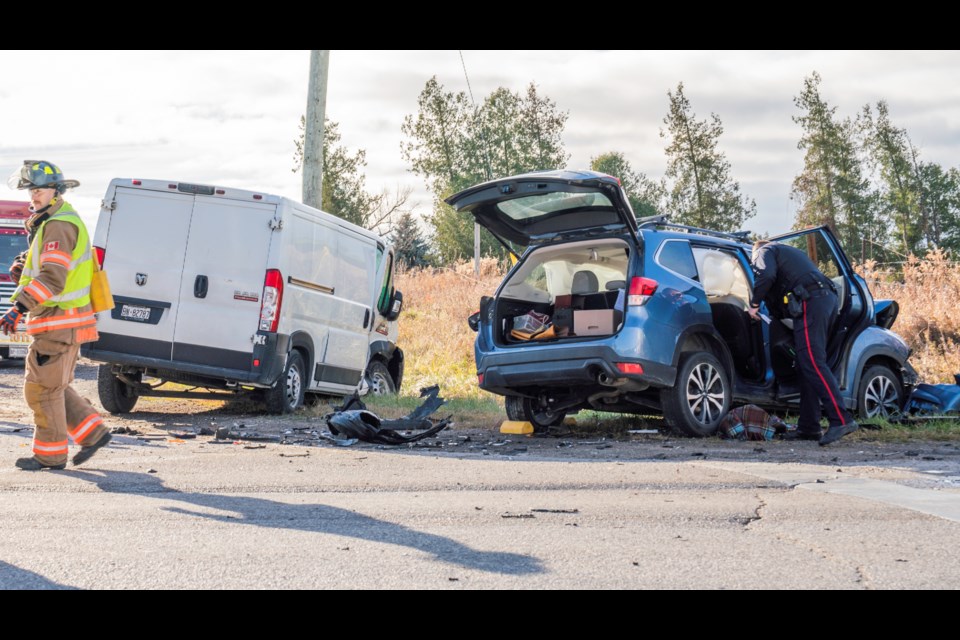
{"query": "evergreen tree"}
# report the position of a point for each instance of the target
(408, 242)
(646, 196)
(832, 189)
(701, 191)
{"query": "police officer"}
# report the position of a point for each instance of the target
(811, 300)
(54, 291)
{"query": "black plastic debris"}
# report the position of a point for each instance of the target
(555, 510)
(369, 427)
(351, 403)
(224, 433)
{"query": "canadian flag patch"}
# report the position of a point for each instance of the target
(51, 246)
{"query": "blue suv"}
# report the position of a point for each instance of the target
(610, 313)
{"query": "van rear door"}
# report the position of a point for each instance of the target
(218, 301)
(145, 246)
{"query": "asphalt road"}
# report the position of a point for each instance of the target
(154, 511)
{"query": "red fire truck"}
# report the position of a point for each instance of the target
(13, 240)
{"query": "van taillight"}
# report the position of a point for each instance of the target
(100, 254)
(271, 301)
(641, 289)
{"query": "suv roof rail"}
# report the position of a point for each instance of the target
(662, 221)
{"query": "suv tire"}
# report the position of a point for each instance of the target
(880, 394)
(528, 410)
(701, 397)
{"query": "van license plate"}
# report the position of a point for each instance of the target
(18, 351)
(133, 312)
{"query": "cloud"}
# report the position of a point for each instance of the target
(230, 118)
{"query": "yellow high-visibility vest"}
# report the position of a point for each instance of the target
(76, 292)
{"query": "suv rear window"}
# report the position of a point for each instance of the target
(541, 205)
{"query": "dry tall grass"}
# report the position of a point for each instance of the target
(928, 292)
(434, 334)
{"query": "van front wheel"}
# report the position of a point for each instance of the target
(287, 395)
(379, 379)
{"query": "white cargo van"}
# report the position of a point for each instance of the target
(226, 290)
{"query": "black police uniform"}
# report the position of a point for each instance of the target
(782, 270)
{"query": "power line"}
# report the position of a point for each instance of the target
(486, 158)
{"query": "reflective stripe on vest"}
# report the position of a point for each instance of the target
(76, 290)
(71, 319)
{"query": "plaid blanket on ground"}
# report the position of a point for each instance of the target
(750, 422)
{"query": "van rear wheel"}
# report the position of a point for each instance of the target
(287, 395)
(116, 396)
(529, 410)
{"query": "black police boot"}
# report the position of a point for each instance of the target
(835, 433)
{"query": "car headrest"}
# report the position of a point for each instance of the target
(584, 282)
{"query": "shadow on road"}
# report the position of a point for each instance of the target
(316, 518)
(12, 577)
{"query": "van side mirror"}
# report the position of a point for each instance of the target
(396, 306)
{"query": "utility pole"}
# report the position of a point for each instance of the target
(313, 131)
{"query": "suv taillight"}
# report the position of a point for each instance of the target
(640, 291)
(272, 299)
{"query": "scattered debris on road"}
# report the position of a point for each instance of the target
(369, 427)
(555, 510)
(524, 516)
(223, 433)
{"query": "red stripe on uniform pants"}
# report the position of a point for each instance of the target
(806, 334)
(85, 427)
(49, 448)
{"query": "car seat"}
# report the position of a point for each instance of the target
(584, 283)
(586, 291)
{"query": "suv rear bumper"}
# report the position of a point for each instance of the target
(504, 372)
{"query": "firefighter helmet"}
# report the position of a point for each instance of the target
(40, 174)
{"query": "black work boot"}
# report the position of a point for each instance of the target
(797, 434)
(32, 464)
(86, 453)
(836, 432)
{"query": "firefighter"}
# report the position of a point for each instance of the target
(54, 294)
(810, 298)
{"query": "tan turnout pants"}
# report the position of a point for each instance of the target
(58, 410)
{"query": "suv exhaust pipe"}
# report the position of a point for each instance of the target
(609, 381)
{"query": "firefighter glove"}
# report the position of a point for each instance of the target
(10, 320)
(16, 269)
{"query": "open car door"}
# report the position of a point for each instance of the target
(855, 302)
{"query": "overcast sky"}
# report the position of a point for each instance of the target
(230, 118)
